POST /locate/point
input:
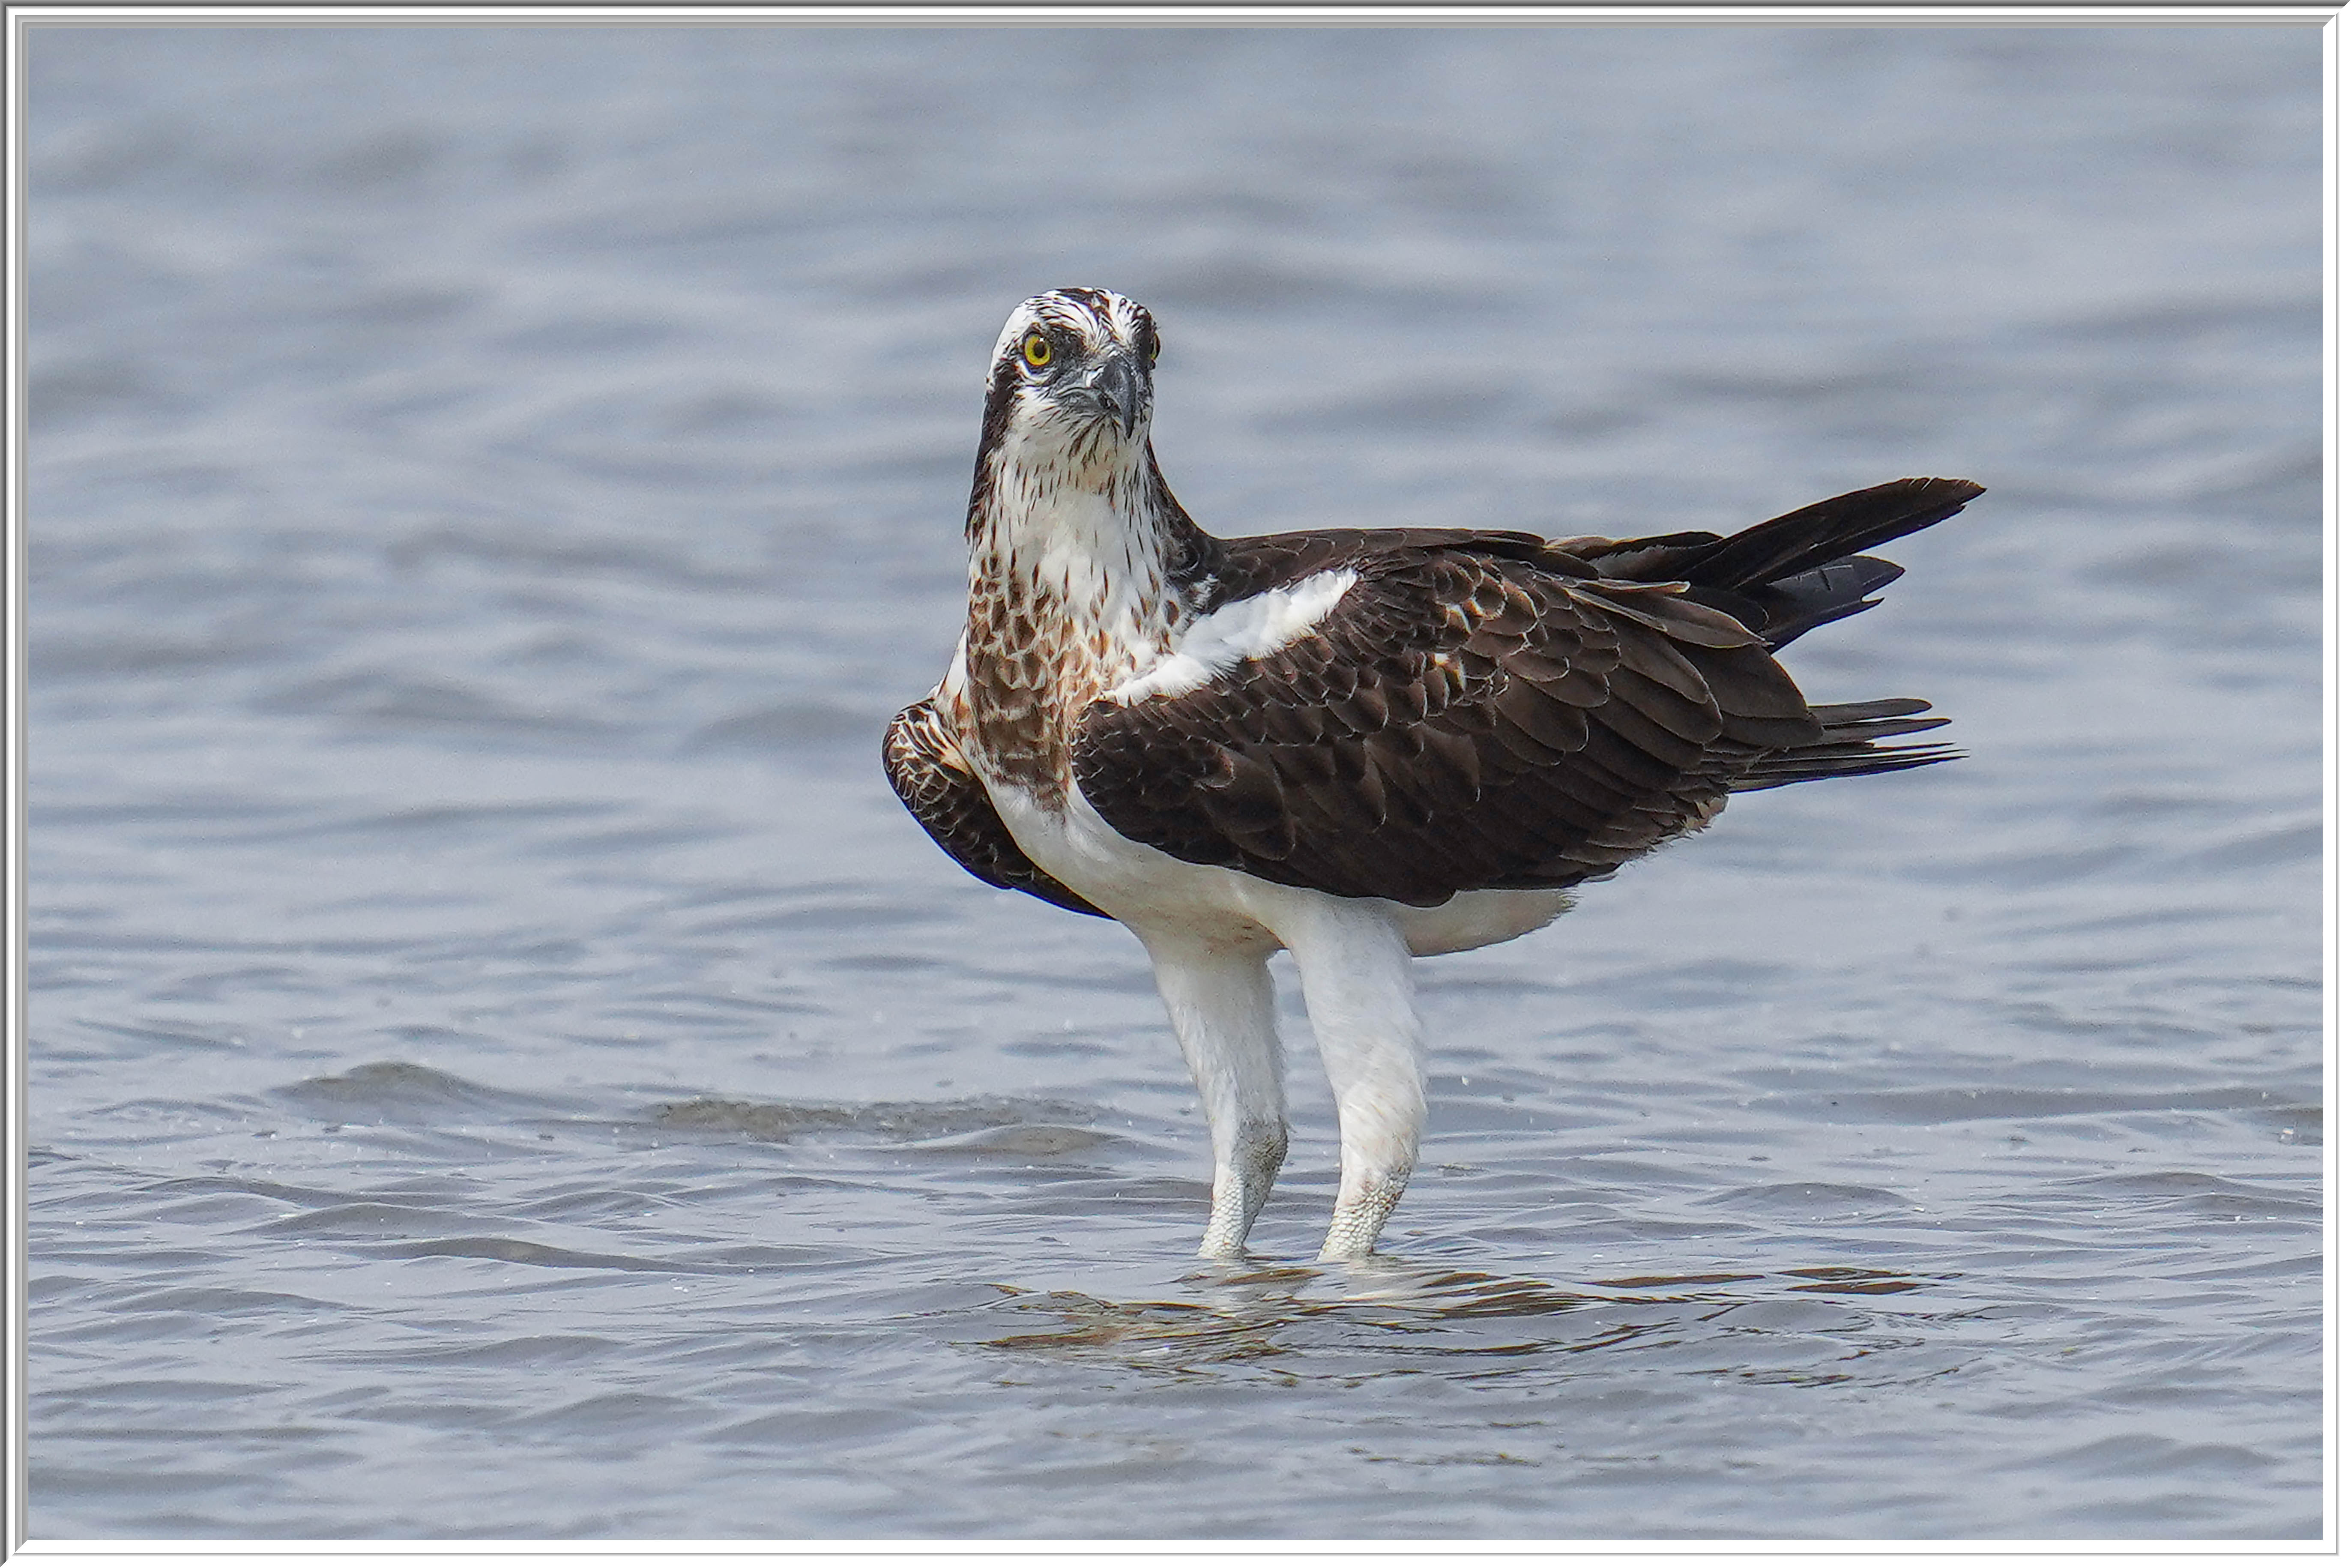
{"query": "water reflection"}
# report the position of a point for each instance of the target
(1428, 1318)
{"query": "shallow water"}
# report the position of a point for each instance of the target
(503, 1065)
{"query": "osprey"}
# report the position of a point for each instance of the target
(1360, 744)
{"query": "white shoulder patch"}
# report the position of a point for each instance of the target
(1246, 629)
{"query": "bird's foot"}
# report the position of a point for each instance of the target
(1240, 1186)
(1364, 1204)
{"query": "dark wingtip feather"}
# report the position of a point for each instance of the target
(1849, 745)
(1832, 713)
(1816, 534)
(1846, 760)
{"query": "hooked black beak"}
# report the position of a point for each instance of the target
(1114, 385)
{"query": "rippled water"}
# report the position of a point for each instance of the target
(503, 1065)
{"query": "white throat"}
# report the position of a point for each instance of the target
(1070, 531)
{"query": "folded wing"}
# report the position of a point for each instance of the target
(1493, 711)
(928, 771)
(1481, 713)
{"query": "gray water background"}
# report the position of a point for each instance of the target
(503, 1065)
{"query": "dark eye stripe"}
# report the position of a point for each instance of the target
(1066, 343)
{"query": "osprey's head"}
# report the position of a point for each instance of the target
(1072, 371)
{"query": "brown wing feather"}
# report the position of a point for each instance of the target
(928, 770)
(1477, 712)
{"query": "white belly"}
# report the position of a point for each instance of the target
(1145, 888)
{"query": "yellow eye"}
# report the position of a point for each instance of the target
(1036, 351)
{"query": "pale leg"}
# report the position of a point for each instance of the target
(1356, 973)
(1221, 1000)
